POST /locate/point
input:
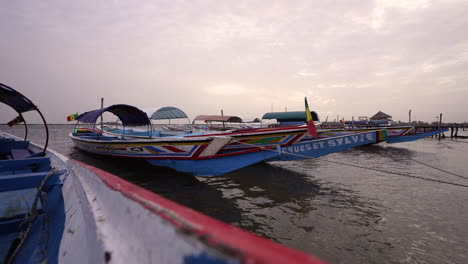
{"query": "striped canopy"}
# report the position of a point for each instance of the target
(167, 112)
(128, 115)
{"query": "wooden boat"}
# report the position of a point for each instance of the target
(417, 133)
(395, 134)
(58, 210)
(199, 156)
(310, 147)
(292, 142)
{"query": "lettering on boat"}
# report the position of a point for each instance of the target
(331, 143)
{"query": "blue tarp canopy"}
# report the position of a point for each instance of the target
(129, 115)
(168, 112)
(294, 116)
(15, 100)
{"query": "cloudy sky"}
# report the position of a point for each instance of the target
(350, 58)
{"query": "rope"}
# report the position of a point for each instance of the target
(30, 216)
(397, 173)
(384, 171)
(451, 173)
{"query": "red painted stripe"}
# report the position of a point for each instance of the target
(255, 249)
(254, 131)
(173, 149)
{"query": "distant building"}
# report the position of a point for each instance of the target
(381, 116)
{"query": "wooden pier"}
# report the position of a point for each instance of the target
(454, 128)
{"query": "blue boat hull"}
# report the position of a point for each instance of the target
(216, 166)
(321, 147)
(413, 137)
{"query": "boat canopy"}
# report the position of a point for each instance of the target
(218, 118)
(167, 112)
(21, 104)
(129, 115)
(15, 100)
(294, 116)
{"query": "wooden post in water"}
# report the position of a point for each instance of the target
(222, 114)
(102, 106)
(440, 124)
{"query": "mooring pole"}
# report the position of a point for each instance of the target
(409, 117)
(102, 106)
(440, 124)
(222, 114)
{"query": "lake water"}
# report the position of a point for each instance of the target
(374, 204)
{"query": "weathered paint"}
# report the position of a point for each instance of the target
(156, 231)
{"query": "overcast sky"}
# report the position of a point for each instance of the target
(350, 58)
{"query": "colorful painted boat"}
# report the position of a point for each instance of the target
(58, 210)
(242, 139)
(316, 147)
(292, 142)
(199, 156)
(417, 133)
(394, 134)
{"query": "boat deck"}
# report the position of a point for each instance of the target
(28, 191)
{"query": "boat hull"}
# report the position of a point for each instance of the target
(323, 146)
(216, 166)
(413, 137)
(199, 157)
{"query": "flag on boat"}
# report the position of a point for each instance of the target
(311, 130)
(72, 117)
(16, 121)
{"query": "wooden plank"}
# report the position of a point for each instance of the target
(39, 164)
(20, 153)
(28, 180)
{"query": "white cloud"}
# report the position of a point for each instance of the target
(228, 90)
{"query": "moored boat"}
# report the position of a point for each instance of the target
(395, 134)
(199, 156)
(316, 147)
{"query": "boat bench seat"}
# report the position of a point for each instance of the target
(28, 180)
(7, 145)
(17, 166)
(20, 153)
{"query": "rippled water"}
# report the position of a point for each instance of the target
(375, 211)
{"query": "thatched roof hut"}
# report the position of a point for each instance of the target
(381, 116)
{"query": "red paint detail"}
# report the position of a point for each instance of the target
(199, 150)
(254, 248)
(255, 131)
(293, 140)
(173, 149)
